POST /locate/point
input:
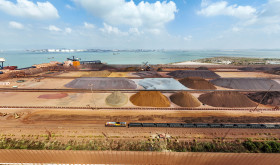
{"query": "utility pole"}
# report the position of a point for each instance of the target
(91, 85)
(263, 97)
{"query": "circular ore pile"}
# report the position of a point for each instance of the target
(269, 98)
(226, 99)
(116, 99)
(197, 83)
(150, 99)
(184, 99)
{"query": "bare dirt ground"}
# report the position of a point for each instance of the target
(126, 157)
(247, 74)
(31, 83)
(73, 99)
(79, 125)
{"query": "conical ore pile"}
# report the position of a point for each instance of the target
(197, 83)
(116, 99)
(150, 99)
(184, 99)
(271, 98)
(226, 99)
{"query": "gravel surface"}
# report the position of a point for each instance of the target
(102, 83)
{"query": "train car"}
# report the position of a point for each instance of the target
(244, 125)
(135, 125)
(175, 125)
(257, 126)
(202, 125)
(269, 126)
(115, 124)
(228, 125)
(162, 125)
(215, 125)
(187, 125)
(149, 124)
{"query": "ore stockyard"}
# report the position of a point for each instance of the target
(60, 104)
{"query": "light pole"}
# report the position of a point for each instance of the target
(91, 85)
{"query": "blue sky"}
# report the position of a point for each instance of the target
(151, 24)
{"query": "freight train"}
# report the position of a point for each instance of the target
(193, 125)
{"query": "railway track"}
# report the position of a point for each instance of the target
(137, 108)
(112, 90)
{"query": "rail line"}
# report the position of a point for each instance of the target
(112, 90)
(137, 108)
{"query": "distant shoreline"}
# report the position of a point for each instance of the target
(192, 63)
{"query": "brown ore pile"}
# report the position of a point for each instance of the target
(150, 99)
(226, 99)
(184, 99)
(267, 98)
(104, 73)
(197, 83)
(116, 99)
(193, 73)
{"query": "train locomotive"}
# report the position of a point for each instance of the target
(193, 125)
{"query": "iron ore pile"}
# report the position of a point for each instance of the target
(116, 99)
(102, 83)
(247, 83)
(194, 73)
(267, 98)
(185, 99)
(150, 99)
(104, 73)
(197, 83)
(161, 84)
(226, 99)
(247, 69)
(148, 74)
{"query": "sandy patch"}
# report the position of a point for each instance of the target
(247, 74)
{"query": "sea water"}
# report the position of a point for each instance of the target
(26, 59)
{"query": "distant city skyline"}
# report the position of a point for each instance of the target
(150, 24)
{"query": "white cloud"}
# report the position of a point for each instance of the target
(69, 7)
(108, 29)
(68, 30)
(236, 29)
(28, 9)
(188, 38)
(54, 28)
(16, 25)
(88, 25)
(223, 8)
(120, 12)
(135, 31)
